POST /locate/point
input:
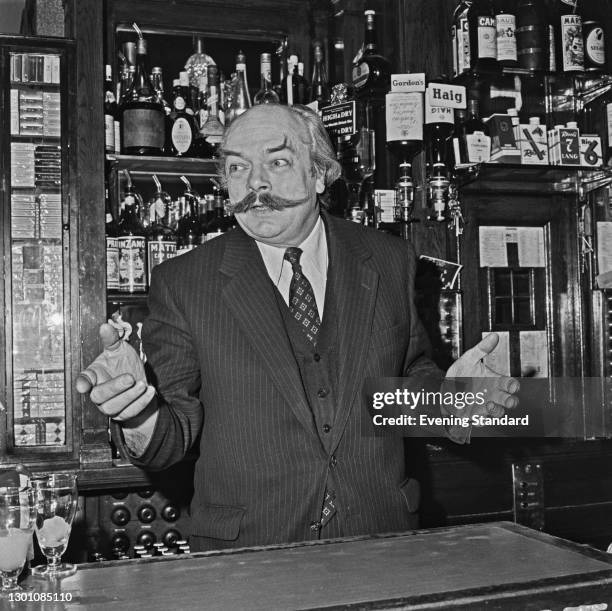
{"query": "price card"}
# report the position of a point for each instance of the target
(404, 115)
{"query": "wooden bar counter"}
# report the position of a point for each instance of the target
(483, 566)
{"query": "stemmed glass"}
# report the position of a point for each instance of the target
(57, 503)
(17, 519)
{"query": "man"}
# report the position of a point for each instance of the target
(260, 342)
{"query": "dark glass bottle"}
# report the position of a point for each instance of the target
(132, 244)
(505, 21)
(211, 133)
(532, 35)
(219, 223)
(319, 86)
(597, 119)
(483, 36)
(404, 139)
(569, 51)
(161, 238)
(594, 40)
(181, 125)
(288, 89)
(371, 71)
(460, 35)
(111, 116)
(188, 231)
(112, 247)
(473, 131)
(266, 94)
(142, 116)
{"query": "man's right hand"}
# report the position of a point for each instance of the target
(116, 379)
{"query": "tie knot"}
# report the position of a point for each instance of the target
(293, 255)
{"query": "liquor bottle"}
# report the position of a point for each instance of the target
(288, 93)
(241, 98)
(404, 124)
(182, 127)
(597, 119)
(132, 243)
(220, 223)
(142, 116)
(483, 36)
(300, 84)
(222, 97)
(161, 239)
(568, 37)
(594, 41)
(112, 246)
(439, 125)
(158, 85)
(201, 108)
(532, 35)
(505, 21)
(197, 64)
(371, 71)
(211, 133)
(474, 144)
(111, 119)
(319, 86)
(188, 231)
(266, 94)
(460, 35)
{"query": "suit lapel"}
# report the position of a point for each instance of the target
(249, 295)
(355, 286)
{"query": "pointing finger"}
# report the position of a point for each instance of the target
(481, 349)
(95, 374)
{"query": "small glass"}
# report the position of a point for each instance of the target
(17, 519)
(57, 504)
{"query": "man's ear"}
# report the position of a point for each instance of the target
(320, 183)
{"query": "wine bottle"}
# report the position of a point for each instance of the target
(112, 246)
(220, 223)
(182, 127)
(266, 94)
(319, 86)
(241, 98)
(158, 85)
(288, 93)
(132, 243)
(475, 145)
(111, 120)
(142, 116)
(211, 133)
(505, 23)
(197, 64)
(594, 40)
(568, 37)
(460, 35)
(483, 36)
(371, 71)
(161, 239)
(188, 231)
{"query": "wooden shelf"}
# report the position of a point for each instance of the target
(523, 179)
(164, 166)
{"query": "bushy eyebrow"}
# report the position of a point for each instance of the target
(285, 145)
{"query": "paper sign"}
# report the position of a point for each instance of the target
(492, 244)
(604, 247)
(531, 247)
(405, 83)
(404, 116)
(534, 354)
(446, 96)
(385, 200)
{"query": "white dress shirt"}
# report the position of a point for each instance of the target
(314, 261)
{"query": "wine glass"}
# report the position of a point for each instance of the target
(17, 519)
(57, 503)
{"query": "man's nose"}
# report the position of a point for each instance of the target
(258, 178)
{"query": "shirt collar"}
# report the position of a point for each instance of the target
(314, 248)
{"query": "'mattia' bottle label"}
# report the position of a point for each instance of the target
(159, 251)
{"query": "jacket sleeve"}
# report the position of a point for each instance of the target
(173, 368)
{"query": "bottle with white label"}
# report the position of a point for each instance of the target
(181, 125)
(460, 35)
(505, 21)
(474, 144)
(569, 44)
(483, 36)
(594, 41)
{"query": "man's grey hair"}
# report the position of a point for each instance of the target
(322, 152)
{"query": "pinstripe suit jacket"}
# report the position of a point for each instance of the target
(227, 380)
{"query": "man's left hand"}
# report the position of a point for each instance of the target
(498, 389)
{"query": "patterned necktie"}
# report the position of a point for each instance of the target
(302, 303)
